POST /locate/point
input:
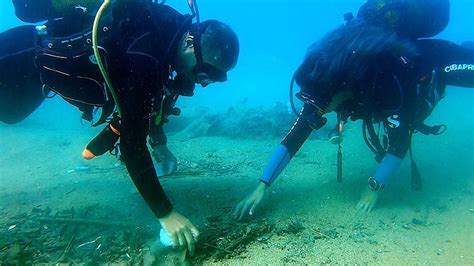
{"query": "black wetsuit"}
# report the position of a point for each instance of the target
(149, 39)
(401, 96)
(20, 84)
(408, 97)
(141, 43)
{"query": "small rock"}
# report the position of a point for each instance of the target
(440, 251)
(373, 242)
(264, 237)
(14, 251)
(418, 222)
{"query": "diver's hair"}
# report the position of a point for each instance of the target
(220, 41)
(346, 56)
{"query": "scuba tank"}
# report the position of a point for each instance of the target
(410, 18)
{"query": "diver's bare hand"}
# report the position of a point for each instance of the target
(250, 202)
(181, 231)
(368, 200)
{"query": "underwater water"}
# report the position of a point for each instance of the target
(56, 207)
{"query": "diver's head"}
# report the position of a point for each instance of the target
(207, 52)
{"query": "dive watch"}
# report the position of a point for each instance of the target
(374, 184)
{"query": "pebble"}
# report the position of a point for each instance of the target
(82, 168)
(79, 168)
(418, 222)
(14, 251)
(440, 251)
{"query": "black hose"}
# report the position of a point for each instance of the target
(339, 149)
(416, 180)
(366, 139)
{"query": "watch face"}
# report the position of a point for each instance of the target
(373, 184)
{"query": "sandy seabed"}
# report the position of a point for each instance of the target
(42, 176)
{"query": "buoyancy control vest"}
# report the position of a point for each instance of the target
(68, 66)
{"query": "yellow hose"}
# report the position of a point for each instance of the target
(95, 47)
(159, 116)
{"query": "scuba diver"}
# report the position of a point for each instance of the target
(128, 61)
(374, 68)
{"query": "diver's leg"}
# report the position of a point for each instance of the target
(20, 84)
(33, 11)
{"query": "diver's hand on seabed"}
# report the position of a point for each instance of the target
(181, 231)
(166, 161)
(250, 202)
(368, 200)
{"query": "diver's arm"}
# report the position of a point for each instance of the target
(399, 143)
(286, 150)
(387, 169)
(133, 87)
(137, 158)
(279, 160)
(458, 67)
(454, 63)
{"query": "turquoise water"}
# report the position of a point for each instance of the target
(42, 174)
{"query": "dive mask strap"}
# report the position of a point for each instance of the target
(197, 34)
